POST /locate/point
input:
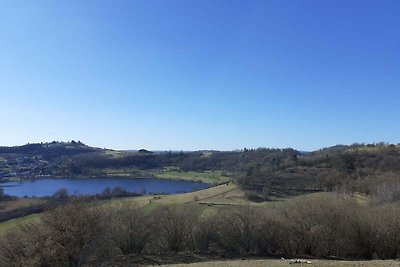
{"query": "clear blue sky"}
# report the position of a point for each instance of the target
(200, 74)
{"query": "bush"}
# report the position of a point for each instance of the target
(173, 228)
(319, 225)
(361, 230)
(74, 232)
(60, 196)
(388, 231)
(238, 230)
(26, 246)
(129, 228)
(205, 233)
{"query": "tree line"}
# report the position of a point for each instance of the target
(324, 225)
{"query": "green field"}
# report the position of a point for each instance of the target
(281, 263)
(11, 224)
(209, 177)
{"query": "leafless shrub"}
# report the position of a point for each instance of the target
(274, 238)
(387, 192)
(322, 225)
(74, 232)
(25, 246)
(205, 233)
(313, 224)
(238, 229)
(173, 228)
(129, 228)
(361, 231)
(388, 217)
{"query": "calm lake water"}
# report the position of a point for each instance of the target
(48, 186)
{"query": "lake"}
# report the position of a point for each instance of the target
(48, 186)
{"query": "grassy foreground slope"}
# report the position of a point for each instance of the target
(11, 224)
(281, 263)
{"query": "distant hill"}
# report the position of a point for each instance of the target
(264, 171)
(52, 149)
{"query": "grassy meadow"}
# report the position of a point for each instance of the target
(209, 177)
(11, 224)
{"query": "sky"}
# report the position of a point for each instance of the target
(200, 74)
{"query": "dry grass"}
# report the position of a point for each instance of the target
(226, 194)
(281, 263)
(210, 195)
(211, 198)
(19, 203)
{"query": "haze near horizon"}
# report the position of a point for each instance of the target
(190, 75)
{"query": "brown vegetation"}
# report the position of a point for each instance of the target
(323, 225)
